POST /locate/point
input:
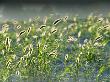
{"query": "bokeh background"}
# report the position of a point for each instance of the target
(25, 9)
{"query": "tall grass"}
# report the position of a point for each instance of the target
(55, 51)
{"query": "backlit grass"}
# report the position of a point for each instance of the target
(55, 50)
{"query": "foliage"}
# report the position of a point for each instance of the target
(51, 51)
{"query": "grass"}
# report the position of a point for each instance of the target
(55, 51)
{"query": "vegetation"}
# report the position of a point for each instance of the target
(55, 51)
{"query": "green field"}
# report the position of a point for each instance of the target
(55, 50)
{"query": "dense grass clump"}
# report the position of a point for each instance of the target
(55, 51)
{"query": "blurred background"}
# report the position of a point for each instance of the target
(25, 9)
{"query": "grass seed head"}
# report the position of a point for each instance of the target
(79, 34)
(70, 26)
(17, 72)
(34, 36)
(45, 20)
(100, 19)
(70, 39)
(15, 22)
(43, 34)
(29, 29)
(7, 42)
(45, 46)
(77, 59)
(65, 18)
(5, 28)
(22, 32)
(74, 19)
(42, 26)
(60, 35)
(66, 57)
(54, 52)
(55, 30)
(57, 21)
(18, 26)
